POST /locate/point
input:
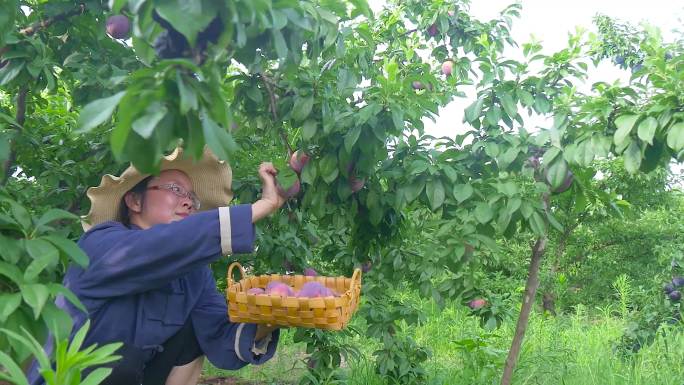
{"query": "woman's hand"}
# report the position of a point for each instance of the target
(263, 330)
(270, 199)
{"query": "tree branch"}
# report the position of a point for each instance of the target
(42, 24)
(21, 118)
(528, 301)
(410, 31)
(268, 82)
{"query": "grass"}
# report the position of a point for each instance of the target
(574, 349)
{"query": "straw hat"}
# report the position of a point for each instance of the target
(211, 181)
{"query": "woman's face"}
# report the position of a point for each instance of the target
(162, 203)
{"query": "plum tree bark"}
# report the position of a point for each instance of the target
(528, 301)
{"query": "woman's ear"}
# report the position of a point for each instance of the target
(133, 202)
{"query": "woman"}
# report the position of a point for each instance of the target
(148, 283)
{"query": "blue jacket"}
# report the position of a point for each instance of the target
(142, 285)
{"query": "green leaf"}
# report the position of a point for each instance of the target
(96, 376)
(286, 178)
(35, 296)
(537, 223)
(412, 190)
(624, 124)
(188, 96)
(8, 304)
(526, 210)
(553, 221)
(647, 129)
(463, 192)
(508, 104)
(16, 374)
(57, 320)
(10, 71)
(10, 249)
(34, 346)
(557, 173)
(78, 338)
(632, 157)
(56, 289)
(219, 140)
(550, 155)
(54, 215)
(675, 136)
(309, 174)
(351, 138)
(146, 124)
(21, 215)
(188, 17)
(280, 44)
(329, 169)
(69, 248)
(541, 104)
(526, 97)
(12, 272)
(5, 148)
(473, 111)
(302, 107)
(483, 212)
(493, 115)
(44, 254)
(309, 129)
(116, 5)
(434, 190)
(97, 112)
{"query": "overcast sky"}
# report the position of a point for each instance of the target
(551, 21)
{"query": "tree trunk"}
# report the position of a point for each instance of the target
(528, 301)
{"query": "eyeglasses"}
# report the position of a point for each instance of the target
(180, 192)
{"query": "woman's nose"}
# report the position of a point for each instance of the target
(187, 203)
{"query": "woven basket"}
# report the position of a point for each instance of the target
(331, 313)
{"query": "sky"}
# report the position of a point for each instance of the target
(551, 21)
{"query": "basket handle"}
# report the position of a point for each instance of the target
(355, 280)
(229, 277)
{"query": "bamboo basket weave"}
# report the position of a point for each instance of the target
(331, 313)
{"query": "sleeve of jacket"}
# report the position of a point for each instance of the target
(127, 261)
(227, 345)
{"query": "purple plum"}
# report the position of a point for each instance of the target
(314, 290)
(477, 303)
(256, 291)
(118, 26)
(310, 272)
(279, 288)
(678, 281)
(668, 288)
(675, 295)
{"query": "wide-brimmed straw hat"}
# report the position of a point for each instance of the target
(211, 181)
